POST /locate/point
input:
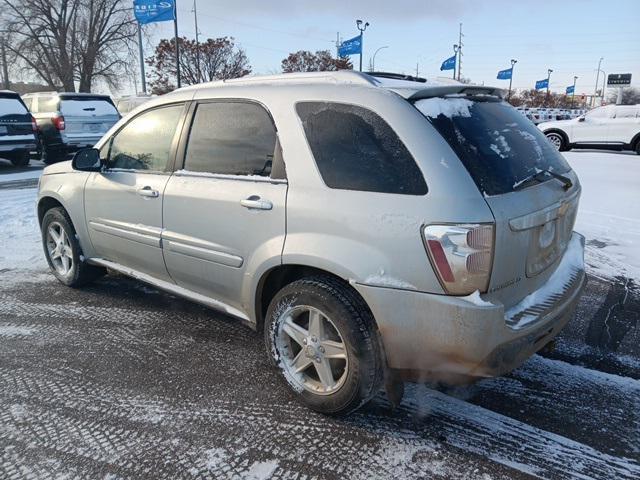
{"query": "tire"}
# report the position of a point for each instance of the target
(557, 140)
(348, 330)
(20, 159)
(637, 149)
(65, 255)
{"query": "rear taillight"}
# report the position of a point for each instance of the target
(461, 255)
(34, 125)
(58, 122)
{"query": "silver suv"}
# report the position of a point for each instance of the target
(377, 230)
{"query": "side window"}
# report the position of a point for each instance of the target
(626, 111)
(232, 138)
(600, 112)
(355, 149)
(27, 101)
(145, 142)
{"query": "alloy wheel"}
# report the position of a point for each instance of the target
(313, 352)
(59, 248)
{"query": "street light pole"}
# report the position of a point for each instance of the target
(373, 63)
(595, 90)
(456, 47)
(362, 29)
(195, 19)
(573, 93)
(604, 83)
(513, 62)
(142, 75)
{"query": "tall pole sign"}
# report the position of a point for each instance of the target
(151, 11)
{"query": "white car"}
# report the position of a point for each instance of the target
(612, 127)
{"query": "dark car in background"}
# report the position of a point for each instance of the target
(68, 122)
(17, 129)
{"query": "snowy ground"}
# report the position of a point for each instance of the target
(118, 380)
(609, 214)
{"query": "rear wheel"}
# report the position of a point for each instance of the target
(321, 336)
(557, 140)
(20, 159)
(62, 250)
(638, 147)
(51, 156)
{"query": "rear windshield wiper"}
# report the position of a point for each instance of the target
(541, 176)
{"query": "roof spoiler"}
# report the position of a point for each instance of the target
(449, 90)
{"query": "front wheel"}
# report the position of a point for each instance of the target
(62, 250)
(557, 140)
(321, 336)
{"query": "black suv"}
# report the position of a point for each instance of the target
(68, 122)
(17, 129)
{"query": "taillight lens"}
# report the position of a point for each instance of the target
(58, 122)
(461, 255)
(34, 125)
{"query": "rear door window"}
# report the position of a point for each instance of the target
(231, 138)
(355, 149)
(497, 145)
(87, 106)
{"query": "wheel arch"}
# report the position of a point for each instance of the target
(47, 203)
(276, 278)
(635, 141)
(559, 131)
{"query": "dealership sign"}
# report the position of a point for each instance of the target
(619, 79)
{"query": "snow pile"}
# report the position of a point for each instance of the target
(449, 107)
(477, 300)
(380, 279)
(19, 231)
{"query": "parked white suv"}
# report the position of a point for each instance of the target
(377, 230)
(611, 127)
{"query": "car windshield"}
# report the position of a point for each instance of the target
(498, 146)
(87, 106)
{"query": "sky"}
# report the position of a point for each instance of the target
(568, 36)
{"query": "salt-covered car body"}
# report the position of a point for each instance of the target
(459, 239)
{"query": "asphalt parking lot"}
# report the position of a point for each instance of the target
(119, 380)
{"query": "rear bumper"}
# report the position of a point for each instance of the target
(73, 143)
(432, 337)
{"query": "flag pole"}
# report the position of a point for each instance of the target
(175, 29)
(142, 76)
(513, 62)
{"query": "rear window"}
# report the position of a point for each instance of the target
(355, 149)
(497, 145)
(87, 106)
(11, 106)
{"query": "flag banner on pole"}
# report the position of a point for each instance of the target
(570, 90)
(505, 74)
(449, 64)
(353, 46)
(150, 11)
(540, 84)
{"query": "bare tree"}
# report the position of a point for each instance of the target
(219, 59)
(630, 96)
(65, 42)
(306, 61)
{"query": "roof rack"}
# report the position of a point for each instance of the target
(338, 77)
(398, 76)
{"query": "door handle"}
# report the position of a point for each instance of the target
(148, 192)
(254, 202)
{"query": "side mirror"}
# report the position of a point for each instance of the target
(87, 160)
(581, 118)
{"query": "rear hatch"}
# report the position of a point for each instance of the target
(15, 120)
(87, 116)
(529, 187)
